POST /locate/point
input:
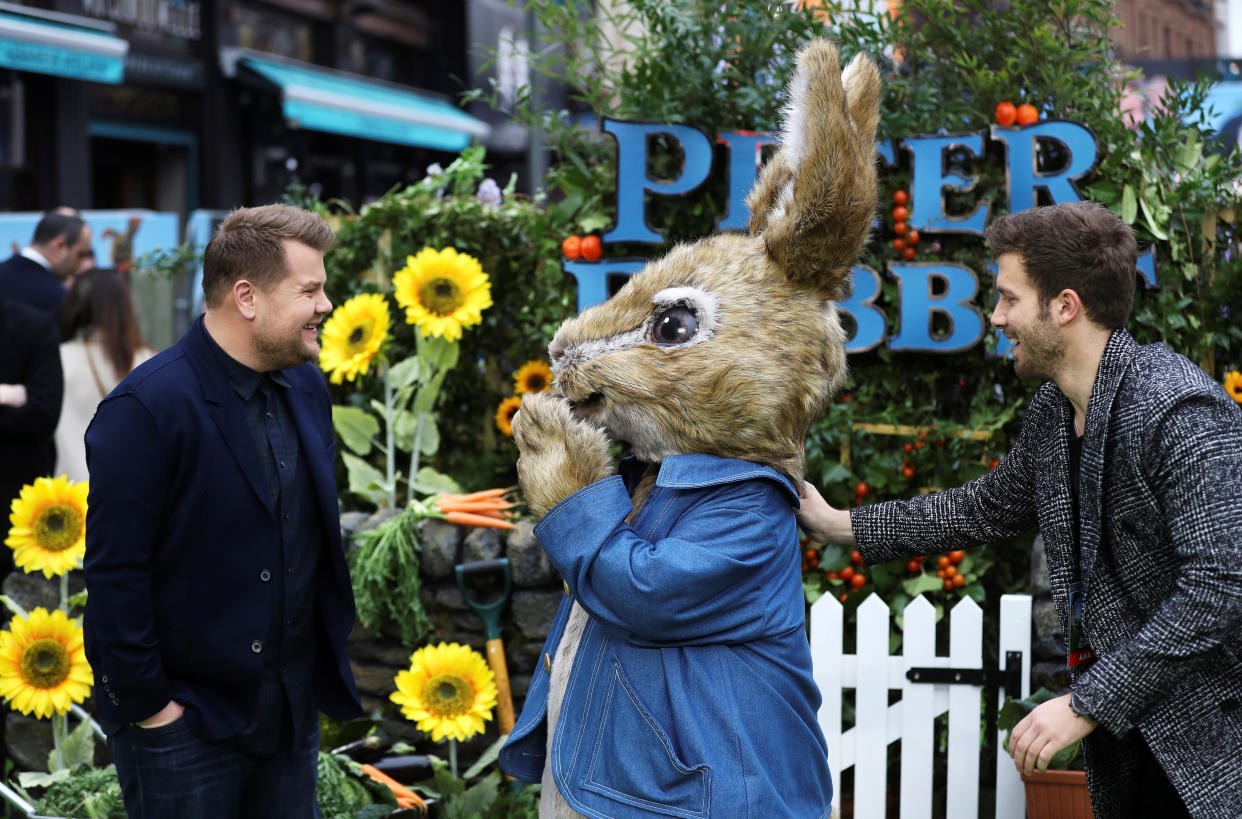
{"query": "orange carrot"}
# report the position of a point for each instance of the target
(471, 519)
(472, 496)
(474, 506)
(398, 790)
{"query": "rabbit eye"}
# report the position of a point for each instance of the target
(676, 325)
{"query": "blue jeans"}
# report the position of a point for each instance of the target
(169, 773)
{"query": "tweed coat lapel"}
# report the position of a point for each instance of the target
(1120, 349)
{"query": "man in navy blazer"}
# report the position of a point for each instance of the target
(37, 275)
(220, 600)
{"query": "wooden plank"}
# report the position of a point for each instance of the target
(827, 631)
(965, 651)
(871, 698)
(918, 716)
(1015, 635)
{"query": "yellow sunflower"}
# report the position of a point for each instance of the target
(448, 691)
(43, 667)
(353, 336)
(442, 291)
(533, 376)
(1233, 385)
(505, 412)
(49, 526)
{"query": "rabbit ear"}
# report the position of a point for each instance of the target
(815, 199)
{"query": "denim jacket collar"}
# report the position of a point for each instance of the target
(697, 471)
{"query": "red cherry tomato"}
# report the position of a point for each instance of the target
(899, 244)
(912, 566)
(912, 237)
(900, 228)
(957, 555)
(855, 556)
(908, 253)
(1006, 114)
(592, 249)
(900, 214)
(858, 580)
(863, 489)
(900, 197)
(846, 573)
(907, 472)
(572, 247)
(1027, 114)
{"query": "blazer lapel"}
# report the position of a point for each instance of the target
(1117, 354)
(227, 412)
(317, 451)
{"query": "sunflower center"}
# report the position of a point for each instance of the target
(358, 337)
(45, 663)
(441, 296)
(535, 383)
(58, 527)
(447, 695)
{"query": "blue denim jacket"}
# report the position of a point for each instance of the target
(691, 692)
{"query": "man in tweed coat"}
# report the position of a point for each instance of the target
(1130, 461)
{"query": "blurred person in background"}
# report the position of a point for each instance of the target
(103, 344)
(37, 274)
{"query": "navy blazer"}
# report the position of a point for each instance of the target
(181, 541)
(29, 282)
(30, 357)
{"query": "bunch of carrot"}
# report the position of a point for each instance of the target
(486, 508)
(406, 798)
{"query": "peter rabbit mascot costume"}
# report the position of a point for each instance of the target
(677, 678)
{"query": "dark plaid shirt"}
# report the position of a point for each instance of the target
(290, 647)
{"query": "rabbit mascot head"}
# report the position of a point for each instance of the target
(711, 363)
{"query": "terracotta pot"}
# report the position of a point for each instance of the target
(1057, 795)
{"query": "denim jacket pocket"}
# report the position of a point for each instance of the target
(633, 761)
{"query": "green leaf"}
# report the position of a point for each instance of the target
(921, 583)
(78, 748)
(356, 427)
(404, 373)
(810, 589)
(35, 779)
(1129, 204)
(365, 480)
(1151, 222)
(403, 429)
(593, 222)
(428, 481)
(429, 443)
(438, 353)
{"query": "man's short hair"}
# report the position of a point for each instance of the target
(54, 225)
(1079, 246)
(248, 245)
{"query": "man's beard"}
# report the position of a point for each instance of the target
(1043, 350)
(278, 352)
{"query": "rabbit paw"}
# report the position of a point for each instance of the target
(559, 453)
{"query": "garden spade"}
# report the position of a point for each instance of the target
(490, 614)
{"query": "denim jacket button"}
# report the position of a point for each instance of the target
(547, 662)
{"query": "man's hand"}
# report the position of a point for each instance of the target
(169, 713)
(1046, 730)
(821, 522)
(12, 395)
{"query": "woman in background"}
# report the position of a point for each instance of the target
(104, 343)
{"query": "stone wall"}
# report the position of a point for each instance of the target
(535, 595)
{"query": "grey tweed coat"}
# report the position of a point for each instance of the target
(1161, 558)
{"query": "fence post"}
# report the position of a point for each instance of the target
(965, 651)
(827, 660)
(917, 710)
(1015, 635)
(871, 711)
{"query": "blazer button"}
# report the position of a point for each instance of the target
(547, 662)
(256, 646)
(104, 678)
(265, 575)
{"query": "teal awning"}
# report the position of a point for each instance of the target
(323, 100)
(63, 49)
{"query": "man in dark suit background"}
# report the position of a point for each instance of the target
(31, 390)
(37, 274)
(219, 596)
(1130, 461)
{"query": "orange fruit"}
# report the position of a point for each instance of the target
(1006, 114)
(1027, 114)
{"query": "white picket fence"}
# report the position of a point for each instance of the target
(872, 673)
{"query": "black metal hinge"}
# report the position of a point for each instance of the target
(1009, 678)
